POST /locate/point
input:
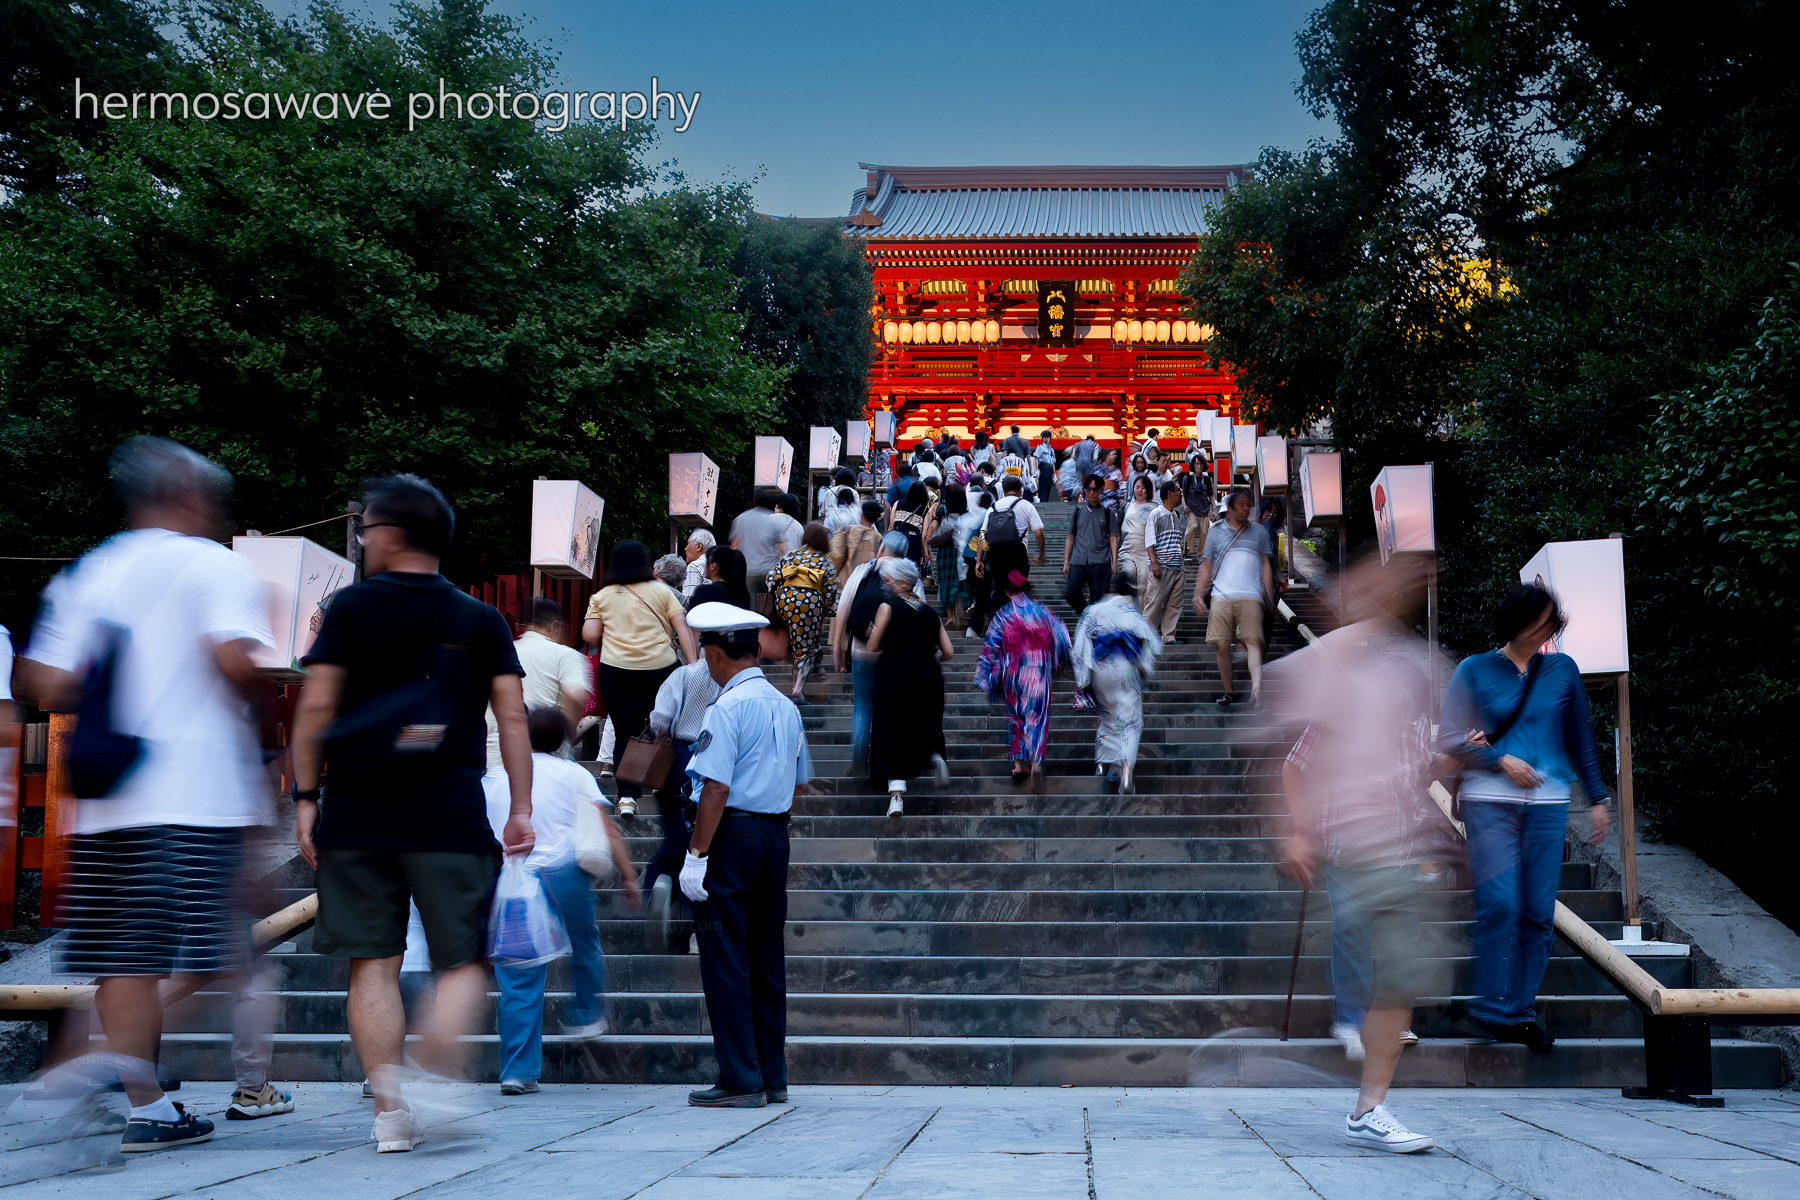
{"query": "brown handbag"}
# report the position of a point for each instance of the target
(646, 761)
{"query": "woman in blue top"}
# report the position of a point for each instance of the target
(1515, 798)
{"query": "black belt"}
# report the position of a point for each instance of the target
(779, 818)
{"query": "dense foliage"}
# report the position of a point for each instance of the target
(313, 301)
(1551, 251)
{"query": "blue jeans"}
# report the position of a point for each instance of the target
(521, 1008)
(1515, 856)
(1352, 961)
(862, 712)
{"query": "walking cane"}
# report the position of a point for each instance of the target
(1294, 970)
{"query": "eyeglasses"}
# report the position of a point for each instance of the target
(368, 525)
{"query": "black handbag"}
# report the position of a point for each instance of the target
(100, 756)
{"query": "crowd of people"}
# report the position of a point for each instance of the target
(429, 743)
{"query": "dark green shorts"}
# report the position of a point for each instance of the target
(363, 894)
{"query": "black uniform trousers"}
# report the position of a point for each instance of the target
(743, 960)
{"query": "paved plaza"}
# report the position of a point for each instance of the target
(603, 1142)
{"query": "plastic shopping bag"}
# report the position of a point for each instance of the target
(523, 928)
(593, 849)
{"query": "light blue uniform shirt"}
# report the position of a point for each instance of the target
(752, 742)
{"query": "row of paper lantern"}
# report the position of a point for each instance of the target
(694, 478)
(1160, 331)
(921, 333)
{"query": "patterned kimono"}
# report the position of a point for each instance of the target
(1115, 651)
(806, 590)
(1025, 648)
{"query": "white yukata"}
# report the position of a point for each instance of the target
(1115, 650)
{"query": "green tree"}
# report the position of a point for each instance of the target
(312, 302)
(804, 292)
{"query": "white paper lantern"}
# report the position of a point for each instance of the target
(301, 577)
(1121, 330)
(1243, 448)
(883, 429)
(1200, 333)
(857, 438)
(890, 332)
(1203, 420)
(1221, 436)
(1162, 331)
(1178, 332)
(962, 331)
(693, 488)
(1272, 465)
(825, 442)
(993, 331)
(1404, 521)
(565, 528)
(906, 333)
(774, 462)
(933, 332)
(1588, 581)
(1322, 487)
(1134, 331)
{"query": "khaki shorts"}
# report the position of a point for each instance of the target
(1240, 620)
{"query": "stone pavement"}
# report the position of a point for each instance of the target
(610, 1142)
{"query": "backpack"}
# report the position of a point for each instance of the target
(100, 754)
(871, 594)
(1007, 532)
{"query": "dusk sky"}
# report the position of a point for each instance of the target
(799, 93)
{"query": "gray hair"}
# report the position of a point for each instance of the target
(902, 574)
(894, 543)
(148, 471)
(704, 537)
(671, 569)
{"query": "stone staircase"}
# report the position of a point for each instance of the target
(997, 936)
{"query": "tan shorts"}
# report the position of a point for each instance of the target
(1235, 620)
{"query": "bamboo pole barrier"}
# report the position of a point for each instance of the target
(49, 997)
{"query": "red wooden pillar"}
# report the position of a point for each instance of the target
(59, 816)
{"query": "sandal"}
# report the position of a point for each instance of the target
(1019, 776)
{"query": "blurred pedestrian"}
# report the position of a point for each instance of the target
(913, 518)
(1517, 719)
(1112, 480)
(805, 587)
(1025, 647)
(404, 663)
(908, 730)
(558, 789)
(854, 545)
(153, 636)
(946, 553)
(1197, 499)
(556, 675)
(1114, 653)
(760, 533)
(637, 623)
(859, 599)
(1356, 784)
(727, 568)
(1133, 518)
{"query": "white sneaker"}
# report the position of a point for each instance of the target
(592, 1030)
(1351, 1039)
(1378, 1129)
(606, 768)
(1409, 1038)
(896, 807)
(398, 1129)
(940, 770)
(969, 632)
(627, 807)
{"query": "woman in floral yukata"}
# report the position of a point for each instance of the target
(1025, 648)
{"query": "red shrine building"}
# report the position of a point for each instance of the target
(1043, 297)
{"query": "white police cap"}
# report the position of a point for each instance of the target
(717, 618)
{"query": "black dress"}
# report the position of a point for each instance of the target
(909, 695)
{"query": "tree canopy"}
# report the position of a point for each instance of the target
(312, 302)
(1551, 251)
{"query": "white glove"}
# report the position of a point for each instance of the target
(693, 877)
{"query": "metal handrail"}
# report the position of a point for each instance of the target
(52, 997)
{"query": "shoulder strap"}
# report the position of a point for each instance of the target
(1512, 718)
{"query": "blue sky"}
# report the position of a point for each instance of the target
(798, 93)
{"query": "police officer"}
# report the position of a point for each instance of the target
(748, 763)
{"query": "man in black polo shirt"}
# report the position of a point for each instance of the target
(398, 684)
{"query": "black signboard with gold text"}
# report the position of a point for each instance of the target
(1056, 312)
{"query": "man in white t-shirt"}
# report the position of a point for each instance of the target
(759, 533)
(1013, 502)
(174, 620)
(1235, 565)
(556, 675)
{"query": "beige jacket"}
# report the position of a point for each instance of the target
(852, 546)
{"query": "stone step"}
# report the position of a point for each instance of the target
(1044, 1062)
(1567, 974)
(636, 1014)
